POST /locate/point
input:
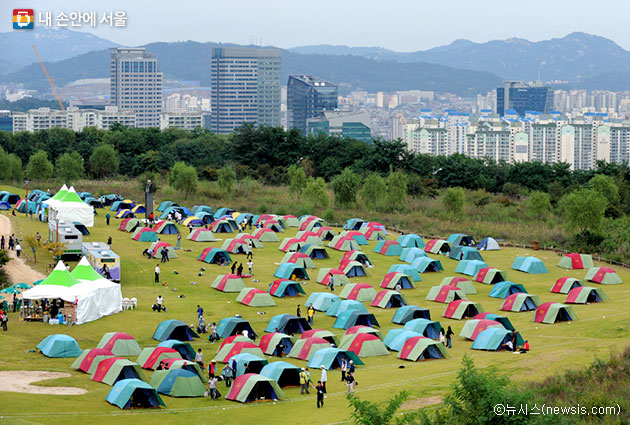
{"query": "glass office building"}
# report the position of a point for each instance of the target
(524, 97)
(307, 96)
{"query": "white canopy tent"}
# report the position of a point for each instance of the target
(66, 205)
(95, 296)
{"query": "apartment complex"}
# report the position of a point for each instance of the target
(136, 84)
(246, 87)
(72, 118)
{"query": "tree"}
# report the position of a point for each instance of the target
(345, 186)
(33, 244)
(369, 413)
(183, 178)
(583, 210)
(226, 178)
(297, 180)
(104, 160)
(538, 205)
(316, 192)
(373, 191)
(607, 187)
(13, 168)
(39, 167)
(69, 167)
(397, 190)
(453, 201)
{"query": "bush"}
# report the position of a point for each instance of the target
(226, 178)
(329, 215)
(396, 190)
(479, 198)
(316, 192)
(538, 205)
(453, 201)
(345, 186)
(374, 191)
(183, 178)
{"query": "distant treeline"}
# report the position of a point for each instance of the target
(266, 153)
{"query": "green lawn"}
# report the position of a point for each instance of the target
(601, 328)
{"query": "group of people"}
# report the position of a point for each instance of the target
(238, 270)
(159, 304)
(446, 338)
(12, 243)
(511, 344)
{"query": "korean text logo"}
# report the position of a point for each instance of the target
(23, 19)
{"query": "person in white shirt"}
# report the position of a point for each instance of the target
(324, 378)
(199, 358)
(159, 304)
(157, 274)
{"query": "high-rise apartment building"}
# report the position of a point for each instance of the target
(307, 96)
(246, 87)
(523, 97)
(136, 84)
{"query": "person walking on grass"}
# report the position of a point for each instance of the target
(324, 378)
(310, 313)
(164, 254)
(157, 273)
(179, 241)
(109, 242)
(233, 268)
(331, 282)
(303, 382)
(449, 335)
(107, 217)
(344, 369)
(228, 374)
(212, 387)
(4, 318)
(199, 358)
(239, 270)
(442, 337)
(320, 394)
(350, 382)
(298, 311)
(250, 266)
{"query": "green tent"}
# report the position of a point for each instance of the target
(339, 278)
(60, 276)
(462, 283)
(365, 345)
(114, 369)
(253, 387)
(255, 297)
(177, 383)
(576, 261)
(586, 295)
(84, 271)
(420, 348)
(120, 344)
(603, 275)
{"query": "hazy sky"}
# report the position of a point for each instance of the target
(403, 25)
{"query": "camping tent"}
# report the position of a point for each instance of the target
(388, 298)
(410, 312)
(445, 294)
(291, 271)
(339, 306)
(265, 235)
(355, 235)
(391, 280)
(284, 373)
(304, 348)
(166, 228)
(355, 255)
(426, 265)
(460, 239)
(128, 393)
(419, 348)
(269, 343)
(255, 297)
(529, 265)
(473, 327)
(321, 301)
(302, 260)
(364, 345)
(603, 275)
(228, 283)
(315, 252)
(410, 241)
(373, 233)
(70, 207)
(114, 369)
(243, 360)
(234, 325)
(493, 339)
(565, 284)
(361, 329)
(353, 269)
(145, 234)
(460, 309)
(490, 275)
(288, 324)
(120, 344)
(462, 283)
(229, 350)
(343, 243)
(406, 269)
(95, 296)
(349, 318)
(464, 253)
(425, 327)
(395, 338)
(488, 244)
(212, 255)
(174, 329)
(470, 267)
(151, 357)
(89, 357)
(331, 358)
(178, 383)
(410, 254)
(339, 278)
(361, 292)
(285, 288)
(325, 233)
(551, 313)
(586, 295)
(321, 333)
(253, 387)
(388, 248)
(157, 247)
(182, 347)
(505, 288)
(438, 246)
(520, 302)
(576, 261)
(353, 224)
(491, 316)
(236, 246)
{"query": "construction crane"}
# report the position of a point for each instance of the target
(52, 86)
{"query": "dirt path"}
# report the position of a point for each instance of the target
(16, 268)
(19, 381)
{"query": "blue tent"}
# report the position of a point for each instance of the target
(183, 348)
(488, 244)
(505, 288)
(410, 312)
(127, 390)
(284, 373)
(234, 326)
(59, 345)
(287, 270)
(470, 267)
(429, 328)
(178, 383)
(288, 324)
(426, 264)
(340, 306)
(350, 318)
(222, 212)
(501, 319)
(331, 358)
(410, 254)
(185, 212)
(353, 224)
(321, 300)
(5, 206)
(461, 239)
(529, 265)
(314, 251)
(202, 208)
(406, 269)
(121, 205)
(491, 339)
(395, 338)
(254, 363)
(166, 204)
(206, 217)
(286, 288)
(459, 252)
(411, 241)
(9, 197)
(174, 329)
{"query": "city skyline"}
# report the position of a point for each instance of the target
(284, 25)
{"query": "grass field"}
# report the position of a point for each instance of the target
(601, 329)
